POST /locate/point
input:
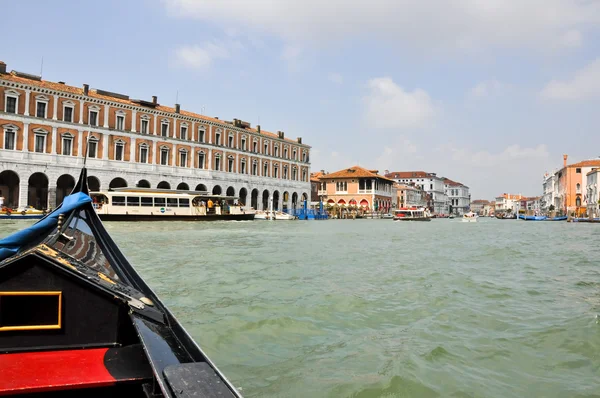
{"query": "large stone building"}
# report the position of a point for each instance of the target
(45, 128)
(459, 198)
(429, 182)
(409, 195)
(570, 187)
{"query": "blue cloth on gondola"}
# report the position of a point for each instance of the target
(12, 243)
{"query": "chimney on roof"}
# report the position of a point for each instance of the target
(258, 128)
(2, 67)
(154, 99)
(177, 108)
(61, 82)
(386, 172)
(86, 89)
(299, 140)
(565, 160)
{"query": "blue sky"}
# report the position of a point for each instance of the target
(490, 93)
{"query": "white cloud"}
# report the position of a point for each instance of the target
(584, 84)
(572, 38)
(461, 24)
(201, 57)
(336, 78)
(389, 106)
(488, 88)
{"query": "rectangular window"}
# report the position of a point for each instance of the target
(118, 201)
(255, 147)
(40, 143)
(133, 201)
(294, 174)
(230, 144)
(146, 202)
(218, 139)
(120, 122)
(217, 163)
(578, 170)
(144, 126)
(68, 114)
(67, 146)
(172, 202)
(275, 170)
(182, 159)
(159, 202)
(230, 165)
(41, 109)
(184, 202)
(276, 151)
(295, 155)
(201, 134)
(143, 154)
(243, 144)
(11, 104)
(201, 160)
(119, 148)
(254, 169)
(9, 139)
(164, 157)
(430, 186)
(285, 153)
(93, 118)
(164, 129)
(266, 152)
(183, 133)
(266, 170)
(243, 167)
(285, 173)
(92, 149)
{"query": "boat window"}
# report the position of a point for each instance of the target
(133, 201)
(118, 200)
(172, 202)
(184, 202)
(146, 202)
(159, 202)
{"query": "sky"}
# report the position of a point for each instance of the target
(490, 93)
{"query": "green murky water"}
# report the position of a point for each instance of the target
(373, 308)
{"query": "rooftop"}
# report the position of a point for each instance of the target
(409, 174)
(356, 172)
(32, 80)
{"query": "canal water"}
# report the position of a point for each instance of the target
(374, 308)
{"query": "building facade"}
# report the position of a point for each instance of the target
(459, 198)
(570, 186)
(45, 128)
(429, 182)
(593, 192)
(409, 196)
(548, 192)
(508, 203)
(357, 186)
(478, 206)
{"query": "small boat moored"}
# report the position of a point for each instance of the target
(78, 320)
(532, 218)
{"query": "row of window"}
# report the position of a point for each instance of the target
(165, 153)
(165, 126)
(149, 202)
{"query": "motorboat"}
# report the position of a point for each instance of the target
(532, 218)
(272, 215)
(28, 213)
(470, 217)
(79, 321)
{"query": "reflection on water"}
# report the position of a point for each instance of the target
(371, 308)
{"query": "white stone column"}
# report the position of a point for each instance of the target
(154, 125)
(106, 107)
(27, 95)
(55, 110)
(132, 150)
(25, 137)
(23, 192)
(174, 128)
(133, 120)
(154, 150)
(209, 165)
(174, 156)
(193, 134)
(210, 131)
(80, 112)
(105, 146)
(54, 138)
(80, 144)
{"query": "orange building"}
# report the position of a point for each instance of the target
(357, 186)
(571, 186)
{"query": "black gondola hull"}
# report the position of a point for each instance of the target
(150, 217)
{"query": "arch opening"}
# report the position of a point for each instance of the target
(9, 188)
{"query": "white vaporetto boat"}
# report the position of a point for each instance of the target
(470, 217)
(146, 204)
(412, 214)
